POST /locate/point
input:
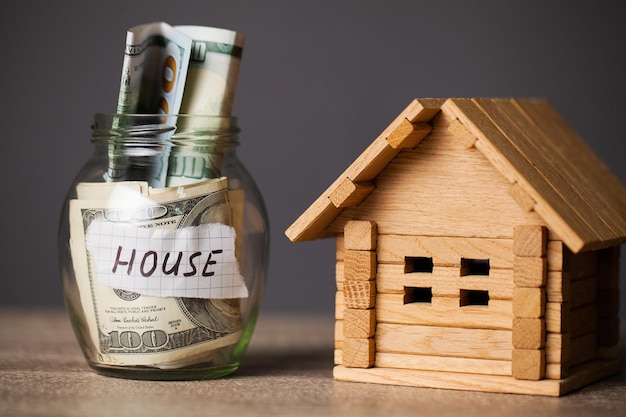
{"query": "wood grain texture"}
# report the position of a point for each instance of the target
(349, 193)
(530, 240)
(360, 235)
(529, 333)
(358, 352)
(530, 272)
(359, 265)
(529, 364)
(529, 302)
(359, 323)
(444, 341)
(407, 134)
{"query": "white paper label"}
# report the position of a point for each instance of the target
(194, 261)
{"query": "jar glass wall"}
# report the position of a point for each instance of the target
(163, 248)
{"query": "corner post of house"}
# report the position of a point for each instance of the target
(529, 302)
(359, 288)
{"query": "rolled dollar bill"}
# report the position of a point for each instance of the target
(154, 71)
(213, 70)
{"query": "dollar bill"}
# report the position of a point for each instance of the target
(156, 60)
(209, 90)
(154, 70)
(213, 70)
(162, 331)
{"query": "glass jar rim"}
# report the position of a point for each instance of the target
(107, 126)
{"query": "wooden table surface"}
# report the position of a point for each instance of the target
(287, 371)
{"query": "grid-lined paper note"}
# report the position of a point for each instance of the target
(195, 261)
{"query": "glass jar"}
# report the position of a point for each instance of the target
(163, 248)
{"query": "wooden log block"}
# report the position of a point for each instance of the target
(358, 352)
(462, 136)
(529, 364)
(444, 341)
(530, 240)
(359, 265)
(443, 364)
(531, 272)
(360, 235)
(359, 294)
(529, 333)
(359, 323)
(557, 371)
(339, 275)
(408, 135)
(529, 302)
(339, 305)
(349, 193)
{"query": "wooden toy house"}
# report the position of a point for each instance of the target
(478, 245)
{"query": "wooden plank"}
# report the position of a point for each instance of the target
(358, 352)
(349, 193)
(444, 312)
(445, 251)
(557, 317)
(338, 334)
(530, 272)
(578, 378)
(600, 187)
(339, 305)
(508, 160)
(444, 341)
(359, 323)
(529, 302)
(559, 256)
(530, 240)
(444, 281)
(534, 145)
(359, 294)
(339, 275)
(557, 371)
(360, 235)
(408, 135)
(529, 364)
(583, 320)
(529, 333)
(443, 364)
(557, 348)
(558, 287)
(359, 265)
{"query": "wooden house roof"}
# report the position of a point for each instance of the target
(551, 168)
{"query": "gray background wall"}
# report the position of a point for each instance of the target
(319, 80)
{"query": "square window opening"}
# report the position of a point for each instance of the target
(418, 264)
(418, 295)
(474, 266)
(474, 298)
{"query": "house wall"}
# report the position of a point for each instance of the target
(443, 202)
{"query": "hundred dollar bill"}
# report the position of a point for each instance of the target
(156, 60)
(154, 71)
(209, 90)
(213, 70)
(157, 271)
